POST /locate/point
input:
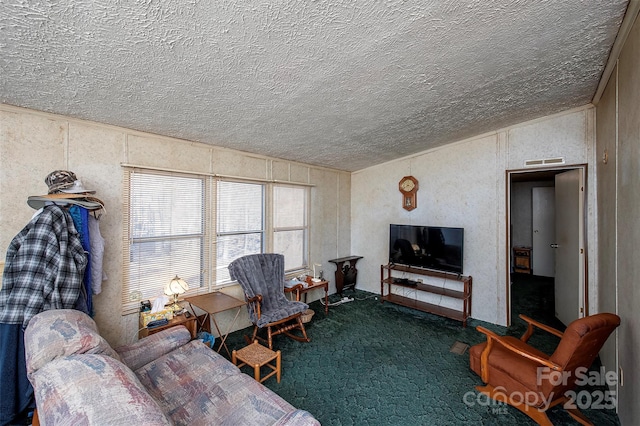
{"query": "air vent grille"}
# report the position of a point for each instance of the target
(544, 162)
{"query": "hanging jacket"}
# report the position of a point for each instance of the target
(44, 267)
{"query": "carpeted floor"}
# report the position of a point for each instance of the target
(380, 364)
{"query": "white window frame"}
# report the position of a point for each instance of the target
(151, 287)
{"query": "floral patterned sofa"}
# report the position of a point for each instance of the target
(164, 379)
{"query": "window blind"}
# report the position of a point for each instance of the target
(290, 225)
(165, 233)
(240, 224)
(194, 225)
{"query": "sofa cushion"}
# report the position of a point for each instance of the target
(60, 332)
(151, 347)
(93, 389)
(196, 386)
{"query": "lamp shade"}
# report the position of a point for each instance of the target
(175, 286)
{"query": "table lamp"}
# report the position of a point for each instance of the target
(174, 288)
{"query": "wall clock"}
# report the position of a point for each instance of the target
(409, 188)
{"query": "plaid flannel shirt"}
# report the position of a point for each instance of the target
(44, 267)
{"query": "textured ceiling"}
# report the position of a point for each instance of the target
(340, 83)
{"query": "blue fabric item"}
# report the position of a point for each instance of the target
(80, 217)
(207, 338)
(264, 274)
(16, 391)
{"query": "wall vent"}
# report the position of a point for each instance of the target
(544, 162)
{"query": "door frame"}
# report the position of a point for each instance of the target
(555, 170)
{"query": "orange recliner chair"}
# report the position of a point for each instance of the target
(531, 381)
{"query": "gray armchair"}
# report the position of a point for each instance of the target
(262, 279)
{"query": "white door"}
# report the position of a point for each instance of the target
(543, 256)
(569, 281)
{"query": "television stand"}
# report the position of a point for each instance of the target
(463, 295)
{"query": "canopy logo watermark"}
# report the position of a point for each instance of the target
(596, 399)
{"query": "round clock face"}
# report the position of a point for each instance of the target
(407, 185)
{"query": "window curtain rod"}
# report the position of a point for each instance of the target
(215, 175)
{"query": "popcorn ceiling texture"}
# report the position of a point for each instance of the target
(333, 83)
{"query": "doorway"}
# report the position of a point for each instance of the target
(557, 263)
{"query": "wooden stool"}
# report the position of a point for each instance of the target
(257, 356)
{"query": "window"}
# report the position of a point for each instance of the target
(194, 225)
(240, 224)
(165, 235)
(290, 225)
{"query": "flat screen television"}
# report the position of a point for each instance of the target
(431, 247)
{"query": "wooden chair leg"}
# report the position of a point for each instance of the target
(538, 416)
(256, 372)
(303, 329)
(576, 414)
(273, 330)
(254, 337)
(298, 325)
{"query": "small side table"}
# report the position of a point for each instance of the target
(311, 285)
(212, 304)
(346, 273)
(189, 322)
(257, 356)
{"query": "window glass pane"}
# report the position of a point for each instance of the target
(240, 207)
(290, 225)
(165, 205)
(164, 234)
(289, 205)
(231, 247)
(240, 220)
(291, 244)
(155, 263)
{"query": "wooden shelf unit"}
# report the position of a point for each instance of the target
(464, 294)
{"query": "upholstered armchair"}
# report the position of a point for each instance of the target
(520, 375)
(262, 279)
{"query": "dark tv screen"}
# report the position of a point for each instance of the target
(430, 247)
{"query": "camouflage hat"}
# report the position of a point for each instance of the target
(59, 180)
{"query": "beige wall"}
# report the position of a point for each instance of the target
(32, 144)
(463, 185)
(618, 134)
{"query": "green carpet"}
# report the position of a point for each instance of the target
(380, 364)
